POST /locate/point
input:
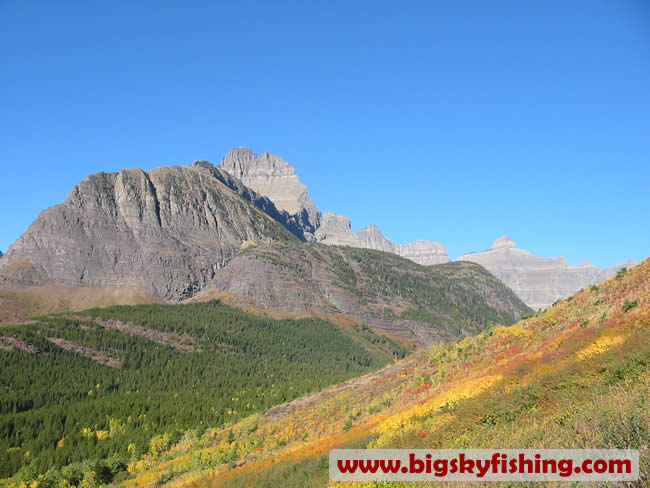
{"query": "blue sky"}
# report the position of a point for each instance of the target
(450, 121)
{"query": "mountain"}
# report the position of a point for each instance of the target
(336, 230)
(536, 280)
(392, 295)
(576, 376)
(196, 232)
(166, 231)
(273, 177)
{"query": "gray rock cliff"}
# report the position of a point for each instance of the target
(336, 230)
(423, 252)
(538, 281)
(273, 177)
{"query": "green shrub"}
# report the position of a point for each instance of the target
(628, 305)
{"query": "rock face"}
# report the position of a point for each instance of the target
(424, 252)
(166, 231)
(336, 230)
(273, 177)
(538, 281)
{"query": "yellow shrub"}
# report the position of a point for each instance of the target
(102, 435)
(602, 344)
(466, 389)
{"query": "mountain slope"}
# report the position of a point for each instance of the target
(392, 295)
(166, 231)
(538, 281)
(575, 376)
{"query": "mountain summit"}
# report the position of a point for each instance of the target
(273, 177)
(336, 230)
(536, 280)
(503, 243)
(276, 179)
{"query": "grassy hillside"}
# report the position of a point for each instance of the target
(88, 392)
(573, 376)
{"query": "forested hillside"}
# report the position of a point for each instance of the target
(87, 393)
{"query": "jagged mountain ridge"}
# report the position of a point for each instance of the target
(34, 258)
(276, 179)
(536, 280)
(336, 230)
(272, 176)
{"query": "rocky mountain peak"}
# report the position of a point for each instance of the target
(332, 221)
(423, 252)
(503, 243)
(372, 238)
(273, 177)
(538, 281)
(336, 230)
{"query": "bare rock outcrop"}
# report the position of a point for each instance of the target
(538, 281)
(423, 252)
(273, 177)
(336, 230)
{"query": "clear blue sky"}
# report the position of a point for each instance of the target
(450, 121)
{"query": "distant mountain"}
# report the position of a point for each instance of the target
(536, 280)
(273, 177)
(336, 230)
(181, 232)
(167, 232)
